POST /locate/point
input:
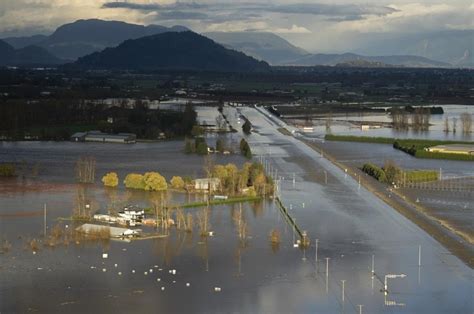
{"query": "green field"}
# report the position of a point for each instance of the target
(414, 147)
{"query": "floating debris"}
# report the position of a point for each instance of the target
(174, 281)
(158, 279)
(40, 268)
(188, 284)
(217, 289)
(105, 255)
(151, 270)
(133, 271)
(162, 288)
(120, 273)
(115, 265)
(145, 273)
(104, 270)
(93, 267)
(156, 266)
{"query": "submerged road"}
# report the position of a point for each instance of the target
(352, 225)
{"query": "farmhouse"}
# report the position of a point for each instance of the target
(207, 184)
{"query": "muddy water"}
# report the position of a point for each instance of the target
(253, 276)
(342, 126)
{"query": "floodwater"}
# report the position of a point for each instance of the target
(351, 226)
(341, 126)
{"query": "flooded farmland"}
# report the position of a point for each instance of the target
(221, 273)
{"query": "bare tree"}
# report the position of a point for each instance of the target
(466, 120)
(85, 170)
(329, 123)
(446, 125)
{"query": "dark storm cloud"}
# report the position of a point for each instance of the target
(182, 15)
(332, 9)
(249, 10)
(153, 7)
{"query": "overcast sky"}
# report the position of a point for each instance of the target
(314, 25)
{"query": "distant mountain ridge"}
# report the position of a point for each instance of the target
(260, 45)
(73, 40)
(26, 56)
(454, 46)
(334, 59)
(173, 51)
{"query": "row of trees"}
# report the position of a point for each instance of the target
(250, 179)
(466, 122)
(51, 119)
(391, 173)
(420, 118)
(150, 181)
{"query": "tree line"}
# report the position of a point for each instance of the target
(58, 119)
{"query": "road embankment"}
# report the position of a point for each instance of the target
(457, 242)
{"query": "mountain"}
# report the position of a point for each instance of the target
(334, 59)
(172, 50)
(22, 42)
(260, 45)
(27, 56)
(83, 37)
(454, 47)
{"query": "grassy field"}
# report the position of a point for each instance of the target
(414, 147)
(233, 200)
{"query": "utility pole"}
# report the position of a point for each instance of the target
(44, 220)
(343, 286)
(316, 253)
(373, 264)
(419, 255)
(360, 308)
(327, 273)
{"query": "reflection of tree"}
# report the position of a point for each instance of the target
(203, 221)
(112, 196)
(240, 224)
(257, 208)
(203, 252)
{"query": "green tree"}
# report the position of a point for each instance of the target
(247, 127)
(189, 146)
(392, 172)
(201, 146)
(259, 183)
(110, 179)
(197, 130)
(245, 148)
(154, 182)
(220, 145)
(177, 183)
(231, 182)
(134, 181)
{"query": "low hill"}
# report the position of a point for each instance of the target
(172, 50)
(334, 59)
(27, 56)
(260, 45)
